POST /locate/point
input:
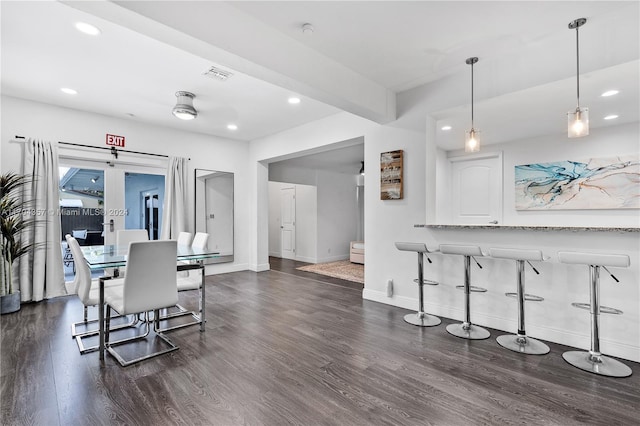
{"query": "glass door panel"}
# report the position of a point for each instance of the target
(144, 198)
(81, 195)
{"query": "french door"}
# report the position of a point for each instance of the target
(104, 198)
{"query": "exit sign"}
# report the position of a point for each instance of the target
(115, 140)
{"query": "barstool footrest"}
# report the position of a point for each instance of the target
(603, 309)
(527, 297)
(427, 282)
(473, 288)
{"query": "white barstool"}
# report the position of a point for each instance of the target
(466, 330)
(521, 342)
(593, 361)
(421, 318)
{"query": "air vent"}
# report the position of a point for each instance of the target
(218, 74)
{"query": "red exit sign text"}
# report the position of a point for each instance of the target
(115, 140)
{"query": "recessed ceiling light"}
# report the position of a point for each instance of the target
(83, 27)
(307, 29)
(232, 127)
(611, 117)
(445, 128)
(69, 91)
(610, 93)
(294, 100)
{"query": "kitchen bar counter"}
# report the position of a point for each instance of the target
(560, 284)
(532, 228)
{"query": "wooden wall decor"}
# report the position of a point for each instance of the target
(391, 175)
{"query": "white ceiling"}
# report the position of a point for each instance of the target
(359, 57)
(123, 72)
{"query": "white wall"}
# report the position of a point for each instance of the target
(602, 142)
(47, 122)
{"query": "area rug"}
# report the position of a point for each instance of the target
(342, 269)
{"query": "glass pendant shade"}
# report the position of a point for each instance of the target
(578, 122)
(471, 141)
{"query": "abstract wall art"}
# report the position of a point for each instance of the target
(391, 175)
(595, 183)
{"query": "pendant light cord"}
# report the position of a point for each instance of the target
(577, 68)
(471, 95)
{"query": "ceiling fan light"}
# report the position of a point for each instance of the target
(184, 109)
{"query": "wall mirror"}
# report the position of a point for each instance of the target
(214, 211)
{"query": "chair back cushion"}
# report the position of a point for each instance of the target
(150, 282)
(83, 273)
(200, 240)
(126, 236)
(184, 238)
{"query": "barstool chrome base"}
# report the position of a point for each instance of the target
(467, 330)
(422, 319)
(522, 344)
(602, 365)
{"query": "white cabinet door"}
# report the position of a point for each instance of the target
(477, 189)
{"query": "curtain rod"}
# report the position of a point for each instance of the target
(113, 149)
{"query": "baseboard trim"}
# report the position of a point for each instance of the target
(306, 259)
(222, 268)
(259, 267)
(509, 325)
(333, 258)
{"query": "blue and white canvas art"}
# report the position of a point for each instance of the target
(596, 183)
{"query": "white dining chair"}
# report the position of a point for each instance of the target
(87, 290)
(190, 280)
(184, 238)
(123, 238)
(150, 285)
(126, 236)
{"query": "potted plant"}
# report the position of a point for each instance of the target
(12, 223)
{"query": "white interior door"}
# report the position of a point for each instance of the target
(477, 189)
(288, 222)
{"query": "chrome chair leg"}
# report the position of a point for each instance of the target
(110, 345)
(593, 361)
(520, 342)
(421, 318)
(468, 330)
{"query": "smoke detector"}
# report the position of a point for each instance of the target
(217, 73)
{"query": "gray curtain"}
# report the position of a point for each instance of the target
(175, 208)
(41, 274)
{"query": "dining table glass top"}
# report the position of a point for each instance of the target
(113, 256)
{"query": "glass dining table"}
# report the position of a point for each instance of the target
(112, 256)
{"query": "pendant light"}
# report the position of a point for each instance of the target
(472, 139)
(184, 109)
(578, 120)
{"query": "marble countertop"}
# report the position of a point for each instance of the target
(531, 228)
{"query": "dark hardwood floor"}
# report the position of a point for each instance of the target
(289, 266)
(283, 349)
